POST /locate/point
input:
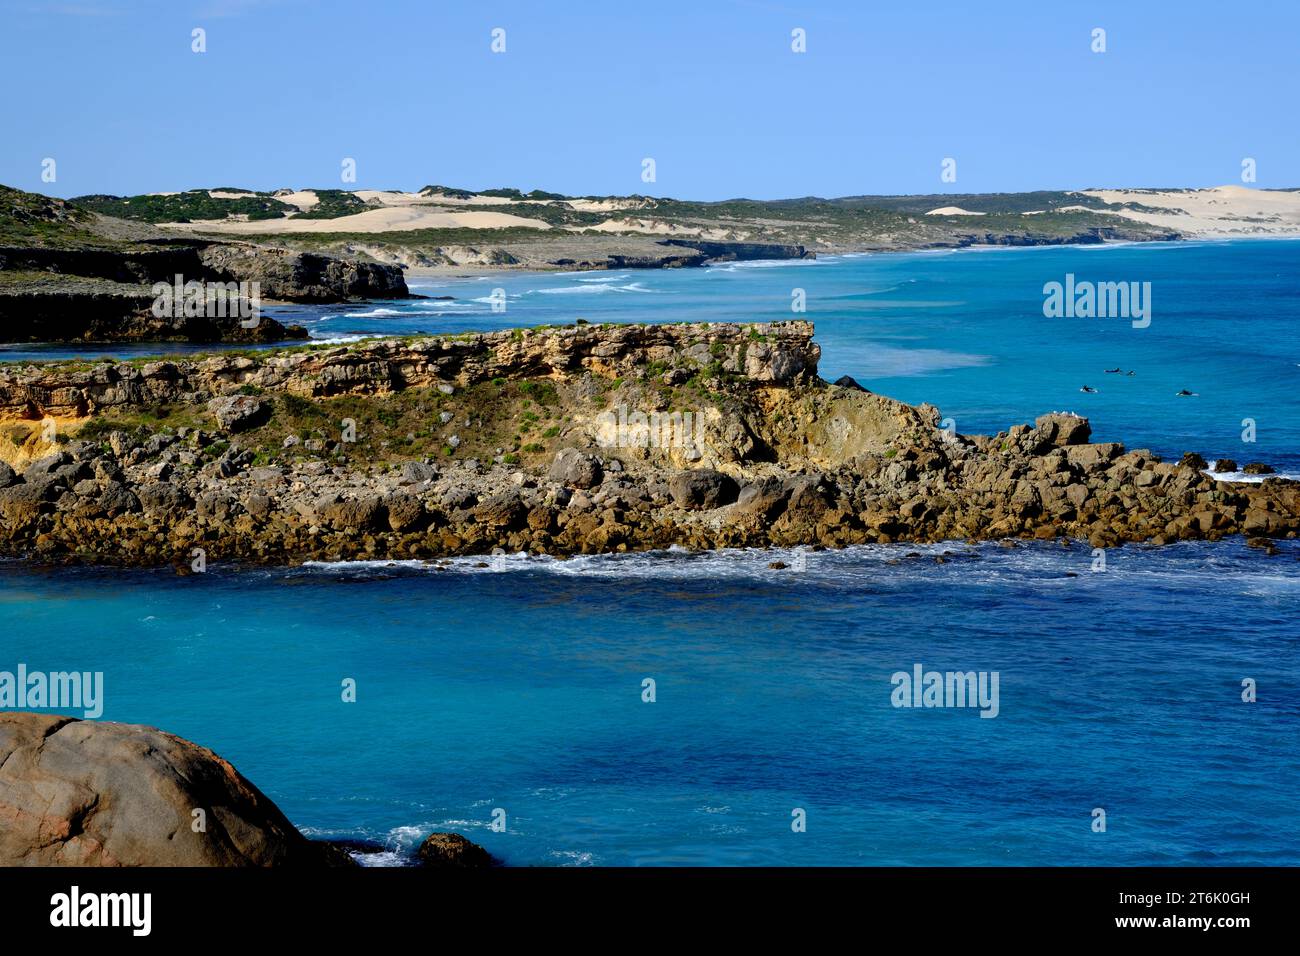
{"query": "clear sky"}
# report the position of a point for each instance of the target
(710, 89)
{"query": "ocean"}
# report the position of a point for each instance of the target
(520, 686)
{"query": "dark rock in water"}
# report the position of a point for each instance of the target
(777, 565)
(237, 413)
(1257, 468)
(1193, 460)
(452, 851)
(1263, 544)
(848, 381)
(702, 489)
(82, 793)
(1225, 464)
(576, 469)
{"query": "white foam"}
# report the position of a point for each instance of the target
(1248, 479)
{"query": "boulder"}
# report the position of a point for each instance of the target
(81, 793)
(576, 469)
(1061, 429)
(453, 852)
(46, 466)
(701, 489)
(357, 514)
(238, 413)
(414, 472)
(405, 512)
(763, 499)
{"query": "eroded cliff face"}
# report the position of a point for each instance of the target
(54, 294)
(577, 439)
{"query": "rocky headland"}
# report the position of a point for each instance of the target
(67, 275)
(577, 439)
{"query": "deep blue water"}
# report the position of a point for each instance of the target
(518, 686)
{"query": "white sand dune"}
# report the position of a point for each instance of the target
(1220, 211)
(304, 199)
(387, 219)
(655, 227)
(952, 211)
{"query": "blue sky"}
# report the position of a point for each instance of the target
(710, 89)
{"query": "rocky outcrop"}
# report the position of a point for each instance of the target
(1086, 236)
(107, 312)
(81, 793)
(104, 294)
(451, 851)
(301, 276)
(741, 251)
(783, 354)
(769, 455)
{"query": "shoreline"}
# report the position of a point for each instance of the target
(830, 257)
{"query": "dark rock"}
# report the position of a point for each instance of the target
(162, 498)
(762, 499)
(1193, 460)
(1225, 464)
(414, 472)
(46, 466)
(452, 851)
(576, 469)
(848, 381)
(702, 489)
(1257, 468)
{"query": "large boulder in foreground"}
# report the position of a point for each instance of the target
(80, 793)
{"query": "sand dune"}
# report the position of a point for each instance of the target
(387, 219)
(1220, 211)
(952, 211)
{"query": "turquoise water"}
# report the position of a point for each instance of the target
(519, 685)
